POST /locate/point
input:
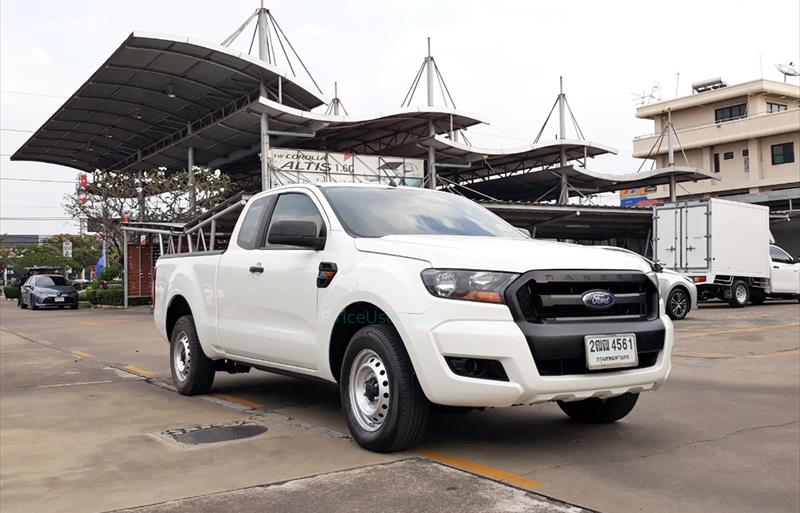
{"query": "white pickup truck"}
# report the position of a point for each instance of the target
(406, 298)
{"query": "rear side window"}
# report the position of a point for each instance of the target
(296, 207)
(776, 254)
(251, 234)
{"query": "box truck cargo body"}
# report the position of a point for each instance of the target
(723, 246)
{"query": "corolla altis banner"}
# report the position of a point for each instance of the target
(305, 166)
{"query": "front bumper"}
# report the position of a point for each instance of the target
(46, 301)
(485, 331)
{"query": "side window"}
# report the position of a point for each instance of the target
(296, 207)
(251, 233)
(776, 254)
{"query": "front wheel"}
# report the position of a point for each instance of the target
(385, 407)
(32, 301)
(678, 304)
(600, 411)
(192, 371)
(740, 294)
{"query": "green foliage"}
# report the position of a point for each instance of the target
(40, 254)
(11, 292)
(112, 296)
(109, 273)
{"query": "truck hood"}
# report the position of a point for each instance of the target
(500, 254)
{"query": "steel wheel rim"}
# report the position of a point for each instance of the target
(678, 303)
(182, 359)
(369, 390)
(741, 294)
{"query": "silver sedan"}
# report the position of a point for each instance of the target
(679, 292)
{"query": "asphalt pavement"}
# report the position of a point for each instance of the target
(89, 422)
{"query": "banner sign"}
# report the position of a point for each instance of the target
(308, 166)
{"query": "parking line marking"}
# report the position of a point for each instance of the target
(477, 468)
(679, 335)
(44, 342)
(238, 400)
(139, 371)
(80, 354)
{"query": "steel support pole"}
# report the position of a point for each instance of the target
(266, 173)
(263, 45)
(190, 170)
(213, 235)
(125, 269)
(673, 194)
(563, 196)
(140, 195)
(431, 127)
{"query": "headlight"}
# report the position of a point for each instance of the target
(483, 286)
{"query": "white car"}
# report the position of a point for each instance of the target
(407, 297)
(678, 291)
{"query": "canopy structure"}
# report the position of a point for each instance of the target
(155, 87)
(543, 185)
(162, 101)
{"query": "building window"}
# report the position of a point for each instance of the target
(782, 153)
(746, 159)
(728, 155)
(716, 162)
(776, 107)
(730, 112)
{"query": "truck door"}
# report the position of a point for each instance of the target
(275, 286)
(785, 272)
(694, 247)
(666, 245)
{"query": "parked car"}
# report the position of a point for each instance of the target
(678, 292)
(48, 290)
(407, 297)
(724, 247)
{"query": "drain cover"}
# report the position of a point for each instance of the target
(197, 435)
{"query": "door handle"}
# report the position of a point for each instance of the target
(776, 267)
(256, 269)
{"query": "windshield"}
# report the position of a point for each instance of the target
(51, 281)
(376, 212)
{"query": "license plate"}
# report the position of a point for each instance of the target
(611, 351)
(59, 300)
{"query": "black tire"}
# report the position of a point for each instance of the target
(22, 304)
(407, 406)
(740, 294)
(757, 296)
(679, 302)
(600, 411)
(73, 307)
(33, 303)
(198, 374)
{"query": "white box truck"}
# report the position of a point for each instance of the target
(724, 247)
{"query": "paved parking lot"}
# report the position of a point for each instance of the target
(89, 423)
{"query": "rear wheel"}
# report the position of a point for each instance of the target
(385, 407)
(192, 371)
(600, 411)
(678, 303)
(740, 294)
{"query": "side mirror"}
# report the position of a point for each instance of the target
(658, 267)
(296, 233)
(524, 231)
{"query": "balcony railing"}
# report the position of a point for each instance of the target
(757, 115)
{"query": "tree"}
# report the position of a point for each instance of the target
(39, 254)
(148, 196)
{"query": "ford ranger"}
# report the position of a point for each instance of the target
(409, 298)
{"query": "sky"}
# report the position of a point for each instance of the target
(500, 59)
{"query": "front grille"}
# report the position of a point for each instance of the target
(52, 301)
(552, 296)
(567, 366)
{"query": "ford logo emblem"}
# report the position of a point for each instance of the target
(598, 299)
